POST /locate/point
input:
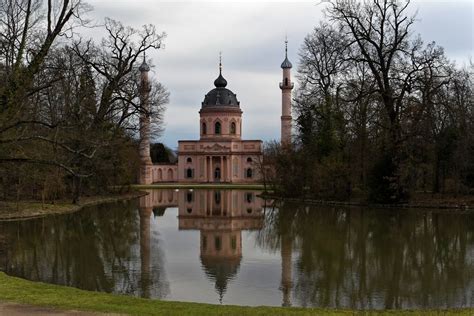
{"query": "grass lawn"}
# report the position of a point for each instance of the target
(33, 209)
(65, 298)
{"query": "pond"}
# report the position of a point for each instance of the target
(231, 247)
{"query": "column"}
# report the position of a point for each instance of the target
(221, 166)
(224, 174)
(229, 168)
(211, 171)
(205, 169)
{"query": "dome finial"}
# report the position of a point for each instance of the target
(220, 63)
(286, 63)
(144, 66)
(220, 82)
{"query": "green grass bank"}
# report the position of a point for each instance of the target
(22, 210)
(21, 291)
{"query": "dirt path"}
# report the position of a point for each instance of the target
(12, 309)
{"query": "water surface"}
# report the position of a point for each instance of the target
(230, 247)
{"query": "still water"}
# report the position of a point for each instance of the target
(231, 247)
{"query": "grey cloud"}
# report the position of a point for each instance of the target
(250, 35)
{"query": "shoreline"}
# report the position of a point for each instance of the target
(404, 206)
(26, 210)
(63, 298)
(425, 203)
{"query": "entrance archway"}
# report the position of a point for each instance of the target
(217, 174)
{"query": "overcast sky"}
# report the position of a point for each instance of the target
(251, 36)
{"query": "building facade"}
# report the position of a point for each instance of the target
(220, 155)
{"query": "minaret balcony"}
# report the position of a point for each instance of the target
(290, 85)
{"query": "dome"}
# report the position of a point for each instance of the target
(286, 63)
(220, 82)
(220, 95)
(144, 66)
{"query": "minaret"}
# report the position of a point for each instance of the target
(145, 176)
(286, 86)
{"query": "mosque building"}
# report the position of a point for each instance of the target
(220, 155)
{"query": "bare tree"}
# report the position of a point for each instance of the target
(380, 37)
(81, 109)
(26, 36)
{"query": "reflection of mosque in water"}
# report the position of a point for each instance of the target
(220, 216)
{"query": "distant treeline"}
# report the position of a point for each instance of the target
(70, 107)
(378, 113)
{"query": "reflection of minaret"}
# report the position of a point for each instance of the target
(145, 215)
(145, 176)
(286, 280)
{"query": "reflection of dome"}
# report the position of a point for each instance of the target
(221, 271)
(159, 211)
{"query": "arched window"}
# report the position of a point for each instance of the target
(189, 173)
(249, 159)
(204, 128)
(189, 197)
(249, 173)
(249, 197)
(217, 128)
(189, 160)
(232, 128)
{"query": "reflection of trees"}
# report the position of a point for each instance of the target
(95, 249)
(377, 258)
(278, 232)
